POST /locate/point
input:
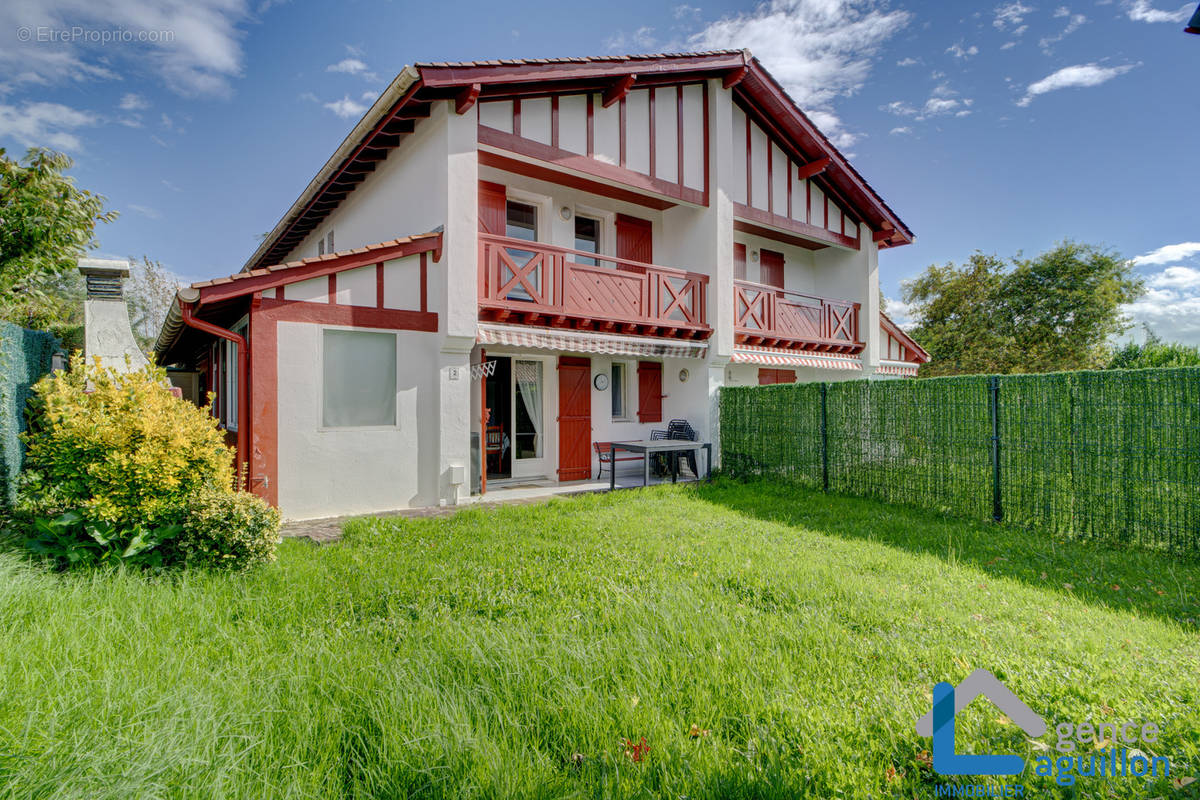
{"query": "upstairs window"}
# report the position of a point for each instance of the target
(521, 221)
(587, 238)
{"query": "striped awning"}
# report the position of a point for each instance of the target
(905, 368)
(572, 341)
(777, 357)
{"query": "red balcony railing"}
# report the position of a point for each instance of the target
(540, 284)
(772, 317)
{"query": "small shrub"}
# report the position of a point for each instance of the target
(71, 541)
(119, 448)
(228, 530)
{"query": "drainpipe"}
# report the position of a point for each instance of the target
(243, 400)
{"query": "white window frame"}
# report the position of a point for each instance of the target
(320, 422)
(541, 204)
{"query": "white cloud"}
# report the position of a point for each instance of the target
(939, 105)
(171, 186)
(145, 211)
(958, 51)
(309, 97)
(641, 40)
(1008, 45)
(133, 102)
(1011, 15)
(900, 312)
(820, 50)
(899, 108)
(194, 45)
(50, 125)
(1175, 278)
(1168, 253)
(346, 107)
(1062, 11)
(353, 66)
(1078, 76)
(907, 62)
(1142, 11)
(900, 130)
(1073, 24)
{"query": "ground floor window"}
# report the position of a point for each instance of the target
(529, 409)
(620, 409)
(359, 380)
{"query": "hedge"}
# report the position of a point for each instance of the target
(25, 356)
(1111, 455)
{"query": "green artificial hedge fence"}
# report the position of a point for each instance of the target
(1111, 456)
(25, 356)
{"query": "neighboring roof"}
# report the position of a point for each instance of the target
(409, 96)
(909, 343)
(257, 280)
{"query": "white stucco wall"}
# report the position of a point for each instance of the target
(326, 471)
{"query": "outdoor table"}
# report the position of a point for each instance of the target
(649, 446)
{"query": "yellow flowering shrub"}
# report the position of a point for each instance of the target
(120, 448)
(228, 530)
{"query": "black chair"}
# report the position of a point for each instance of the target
(681, 429)
(660, 459)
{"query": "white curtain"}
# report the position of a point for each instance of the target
(529, 384)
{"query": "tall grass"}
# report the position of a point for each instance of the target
(508, 653)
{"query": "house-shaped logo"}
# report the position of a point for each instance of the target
(948, 700)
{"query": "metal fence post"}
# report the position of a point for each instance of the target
(997, 508)
(824, 442)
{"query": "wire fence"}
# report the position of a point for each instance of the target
(1111, 456)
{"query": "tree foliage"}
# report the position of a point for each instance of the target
(1154, 352)
(1050, 313)
(46, 224)
(149, 293)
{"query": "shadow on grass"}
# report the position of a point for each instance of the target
(1136, 581)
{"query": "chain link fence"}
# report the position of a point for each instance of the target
(1111, 456)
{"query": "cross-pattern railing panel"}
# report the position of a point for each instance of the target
(768, 315)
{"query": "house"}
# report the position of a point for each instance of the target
(536, 255)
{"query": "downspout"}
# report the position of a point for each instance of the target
(243, 454)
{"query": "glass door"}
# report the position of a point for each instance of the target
(529, 417)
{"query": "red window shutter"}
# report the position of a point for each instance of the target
(492, 208)
(785, 376)
(635, 239)
(766, 376)
(649, 391)
(739, 261)
(772, 268)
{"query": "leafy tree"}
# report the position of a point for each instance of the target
(149, 293)
(1154, 352)
(46, 225)
(1053, 312)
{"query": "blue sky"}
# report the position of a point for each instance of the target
(1002, 127)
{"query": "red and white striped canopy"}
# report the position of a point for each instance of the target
(905, 368)
(571, 341)
(778, 357)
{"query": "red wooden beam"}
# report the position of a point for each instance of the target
(812, 168)
(618, 90)
(734, 77)
(466, 98)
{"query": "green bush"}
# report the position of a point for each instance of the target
(71, 541)
(228, 530)
(119, 448)
(122, 471)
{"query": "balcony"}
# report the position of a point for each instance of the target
(772, 317)
(539, 284)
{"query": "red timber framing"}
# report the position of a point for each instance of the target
(589, 165)
(605, 81)
(260, 425)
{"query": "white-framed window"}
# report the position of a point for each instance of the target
(325, 243)
(588, 237)
(618, 387)
(358, 379)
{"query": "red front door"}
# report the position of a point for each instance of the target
(574, 418)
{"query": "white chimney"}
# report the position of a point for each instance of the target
(106, 330)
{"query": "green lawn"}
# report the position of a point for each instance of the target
(507, 653)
